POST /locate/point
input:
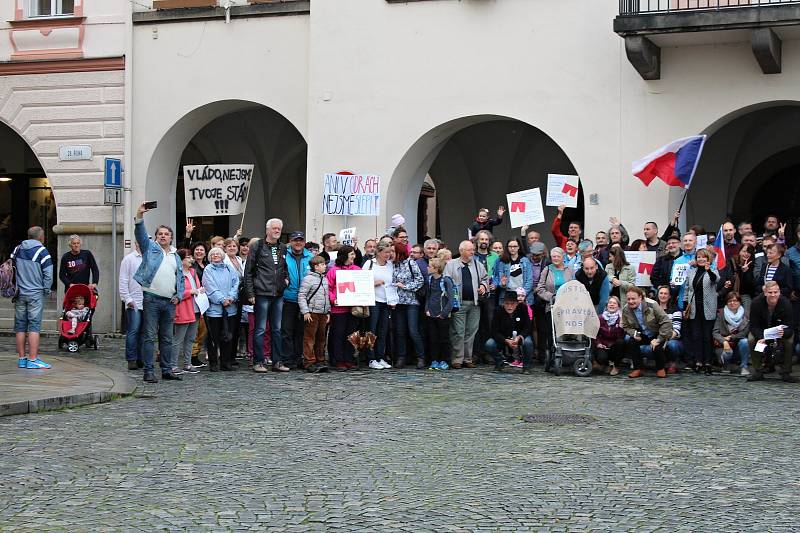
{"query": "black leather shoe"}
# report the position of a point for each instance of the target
(420, 363)
(169, 376)
(323, 368)
(150, 377)
(788, 378)
(755, 376)
(400, 363)
(139, 364)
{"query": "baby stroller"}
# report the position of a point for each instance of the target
(574, 324)
(83, 330)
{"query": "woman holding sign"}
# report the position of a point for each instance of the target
(386, 298)
(343, 323)
(700, 308)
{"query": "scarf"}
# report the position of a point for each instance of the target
(611, 318)
(734, 320)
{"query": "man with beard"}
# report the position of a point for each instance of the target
(483, 240)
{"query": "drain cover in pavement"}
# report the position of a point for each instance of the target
(558, 419)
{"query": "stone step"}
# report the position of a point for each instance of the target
(49, 325)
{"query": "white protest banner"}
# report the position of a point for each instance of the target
(211, 190)
(346, 236)
(355, 287)
(702, 241)
(525, 208)
(354, 195)
(562, 190)
(574, 312)
(678, 274)
(642, 263)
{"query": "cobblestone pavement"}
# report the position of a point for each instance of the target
(409, 451)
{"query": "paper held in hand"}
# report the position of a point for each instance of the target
(346, 236)
(679, 274)
(525, 208)
(355, 287)
(562, 190)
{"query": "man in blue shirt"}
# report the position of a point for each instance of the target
(645, 323)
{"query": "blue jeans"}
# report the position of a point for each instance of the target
(264, 308)
(379, 325)
(28, 311)
(133, 326)
(740, 348)
(158, 316)
(406, 322)
(497, 354)
(672, 350)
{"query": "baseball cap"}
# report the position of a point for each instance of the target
(297, 235)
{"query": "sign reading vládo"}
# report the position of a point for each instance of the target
(212, 190)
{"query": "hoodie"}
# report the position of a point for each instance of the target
(34, 268)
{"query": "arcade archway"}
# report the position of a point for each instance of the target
(474, 162)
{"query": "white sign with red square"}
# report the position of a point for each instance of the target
(525, 208)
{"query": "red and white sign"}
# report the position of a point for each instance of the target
(355, 287)
(562, 190)
(525, 208)
(642, 263)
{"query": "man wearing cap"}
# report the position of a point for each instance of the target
(538, 257)
(297, 260)
(511, 332)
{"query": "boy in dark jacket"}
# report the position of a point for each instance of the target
(511, 328)
(438, 306)
(483, 222)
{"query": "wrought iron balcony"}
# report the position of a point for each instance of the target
(646, 25)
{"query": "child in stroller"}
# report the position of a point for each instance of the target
(75, 326)
(78, 312)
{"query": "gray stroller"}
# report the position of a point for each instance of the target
(574, 324)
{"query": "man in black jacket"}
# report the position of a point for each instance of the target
(265, 279)
(770, 310)
(511, 329)
(663, 266)
(76, 265)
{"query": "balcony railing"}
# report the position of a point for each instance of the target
(645, 7)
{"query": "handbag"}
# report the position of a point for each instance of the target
(360, 311)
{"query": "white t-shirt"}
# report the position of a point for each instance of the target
(385, 293)
(163, 283)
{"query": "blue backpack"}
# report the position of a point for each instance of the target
(456, 296)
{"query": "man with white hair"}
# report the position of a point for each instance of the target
(265, 278)
(76, 266)
(470, 278)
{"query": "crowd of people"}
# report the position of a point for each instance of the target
(213, 304)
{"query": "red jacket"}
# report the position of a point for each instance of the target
(608, 335)
(561, 239)
(184, 311)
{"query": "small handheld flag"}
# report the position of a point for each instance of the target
(674, 164)
(719, 247)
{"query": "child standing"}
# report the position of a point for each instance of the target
(315, 308)
(438, 306)
(78, 312)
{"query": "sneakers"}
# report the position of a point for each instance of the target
(385, 364)
(744, 371)
(22, 362)
(434, 365)
(177, 371)
(516, 364)
(191, 369)
(280, 367)
(37, 364)
(443, 365)
(260, 368)
(614, 371)
(375, 365)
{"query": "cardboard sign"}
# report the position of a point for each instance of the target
(525, 208)
(642, 263)
(211, 190)
(562, 190)
(355, 287)
(346, 236)
(574, 312)
(348, 194)
(679, 272)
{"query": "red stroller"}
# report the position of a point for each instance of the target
(83, 329)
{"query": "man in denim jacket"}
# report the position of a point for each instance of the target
(161, 278)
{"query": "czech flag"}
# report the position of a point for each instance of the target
(674, 164)
(719, 247)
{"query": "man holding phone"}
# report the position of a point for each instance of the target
(160, 275)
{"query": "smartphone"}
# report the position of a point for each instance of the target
(150, 205)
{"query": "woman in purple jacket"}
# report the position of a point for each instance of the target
(610, 342)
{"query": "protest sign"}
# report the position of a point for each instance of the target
(348, 194)
(346, 236)
(678, 274)
(211, 190)
(355, 287)
(562, 190)
(702, 241)
(574, 312)
(525, 208)
(642, 263)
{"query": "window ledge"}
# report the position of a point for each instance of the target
(50, 22)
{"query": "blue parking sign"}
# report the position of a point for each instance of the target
(113, 176)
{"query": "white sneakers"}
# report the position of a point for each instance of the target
(379, 365)
(744, 371)
(384, 363)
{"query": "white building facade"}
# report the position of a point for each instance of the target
(478, 97)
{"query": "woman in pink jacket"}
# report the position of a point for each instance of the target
(187, 315)
(343, 323)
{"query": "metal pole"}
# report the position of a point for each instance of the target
(114, 268)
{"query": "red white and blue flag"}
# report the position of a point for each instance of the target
(719, 247)
(674, 164)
